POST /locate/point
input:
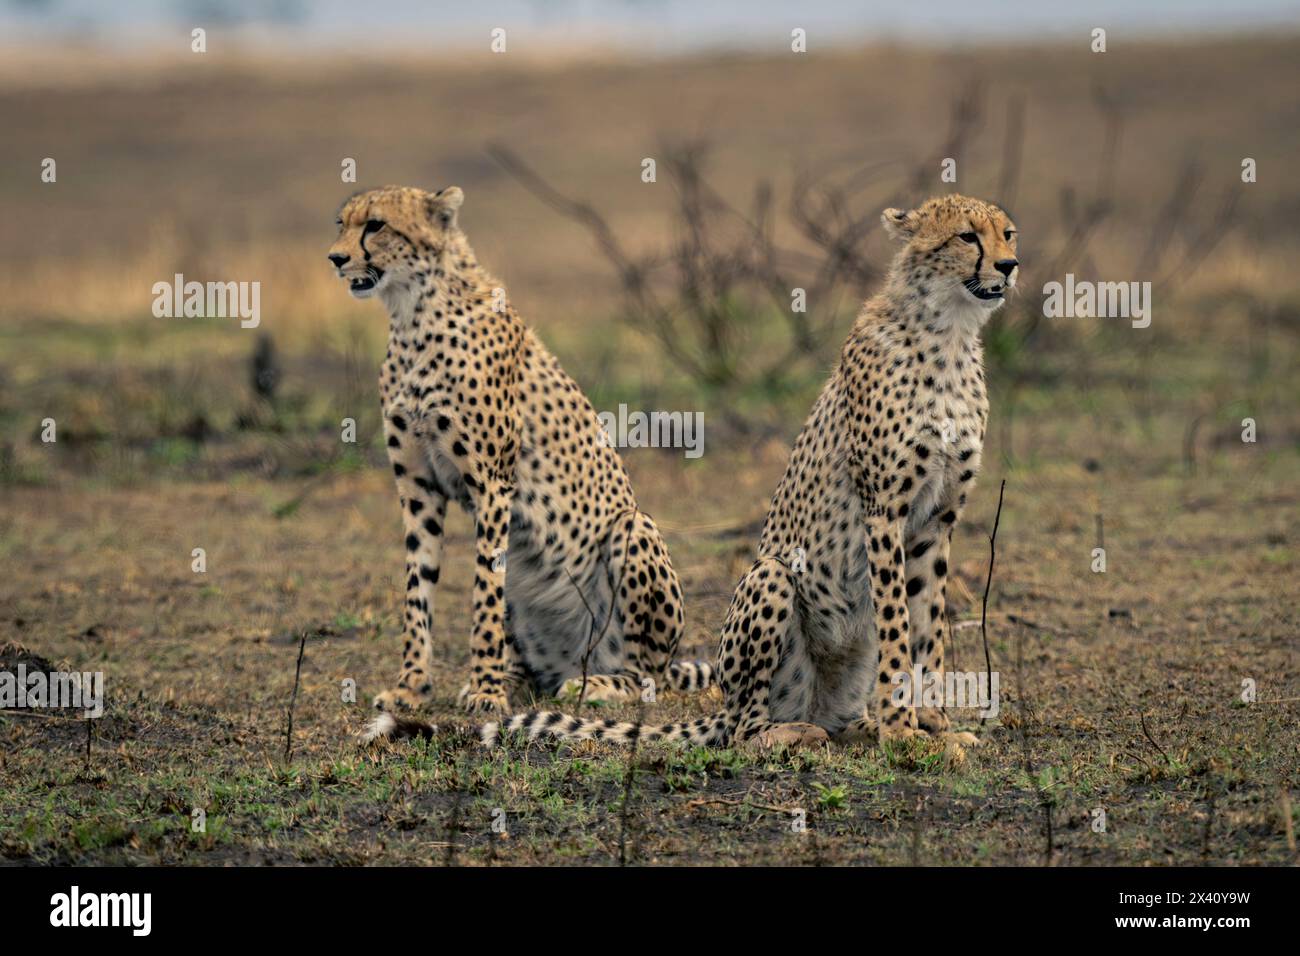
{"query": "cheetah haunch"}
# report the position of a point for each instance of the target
(477, 411)
(847, 595)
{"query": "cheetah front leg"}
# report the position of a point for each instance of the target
(896, 718)
(492, 497)
(424, 511)
(927, 579)
(927, 569)
(490, 672)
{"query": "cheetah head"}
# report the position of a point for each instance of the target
(387, 234)
(964, 249)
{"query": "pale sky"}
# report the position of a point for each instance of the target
(659, 26)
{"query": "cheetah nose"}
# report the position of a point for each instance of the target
(338, 259)
(1006, 265)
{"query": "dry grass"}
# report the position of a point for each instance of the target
(200, 669)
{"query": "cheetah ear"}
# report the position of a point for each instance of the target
(444, 204)
(900, 225)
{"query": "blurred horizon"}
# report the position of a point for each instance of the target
(662, 27)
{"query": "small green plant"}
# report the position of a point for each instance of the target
(695, 767)
(831, 798)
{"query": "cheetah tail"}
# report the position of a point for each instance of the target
(708, 731)
(690, 677)
(396, 728)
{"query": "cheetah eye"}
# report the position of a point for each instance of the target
(968, 237)
(373, 225)
(338, 222)
(1008, 234)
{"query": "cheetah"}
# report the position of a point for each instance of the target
(845, 602)
(572, 581)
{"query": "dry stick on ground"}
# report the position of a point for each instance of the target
(627, 785)
(1140, 759)
(723, 801)
(1142, 717)
(988, 583)
(293, 700)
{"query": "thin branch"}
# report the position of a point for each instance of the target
(988, 583)
(594, 641)
(293, 700)
(1161, 750)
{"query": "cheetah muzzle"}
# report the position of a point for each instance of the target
(364, 285)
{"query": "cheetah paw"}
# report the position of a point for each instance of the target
(596, 691)
(861, 731)
(954, 747)
(399, 699)
(899, 733)
(484, 701)
(790, 735)
(933, 721)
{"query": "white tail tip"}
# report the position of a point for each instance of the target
(381, 726)
(489, 734)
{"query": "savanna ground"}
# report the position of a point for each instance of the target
(1121, 691)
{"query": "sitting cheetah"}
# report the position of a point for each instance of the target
(477, 411)
(847, 594)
